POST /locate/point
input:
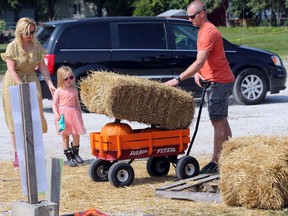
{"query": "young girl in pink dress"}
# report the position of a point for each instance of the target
(66, 101)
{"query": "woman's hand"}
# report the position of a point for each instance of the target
(57, 117)
(45, 73)
(52, 89)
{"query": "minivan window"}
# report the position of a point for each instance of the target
(44, 34)
(185, 37)
(142, 36)
(87, 36)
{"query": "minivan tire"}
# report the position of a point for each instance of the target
(250, 87)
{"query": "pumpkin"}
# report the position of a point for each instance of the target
(116, 128)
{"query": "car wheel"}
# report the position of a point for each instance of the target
(250, 87)
(187, 167)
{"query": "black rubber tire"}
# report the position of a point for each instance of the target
(158, 166)
(121, 174)
(187, 167)
(98, 170)
(250, 87)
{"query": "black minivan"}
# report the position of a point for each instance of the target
(155, 48)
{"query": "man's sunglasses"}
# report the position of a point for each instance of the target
(194, 15)
(70, 77)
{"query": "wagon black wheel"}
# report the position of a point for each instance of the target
(187, 167)
(98, 170)
(121, 174)
(158, 166)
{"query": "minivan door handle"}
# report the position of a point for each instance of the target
(163, 57)
(181, 57)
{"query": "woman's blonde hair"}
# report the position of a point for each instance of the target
(62, 73)
(23, 27)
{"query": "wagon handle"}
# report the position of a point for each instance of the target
(205, 85)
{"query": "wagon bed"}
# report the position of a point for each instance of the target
(139, 144)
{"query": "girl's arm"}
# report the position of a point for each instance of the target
(45, 73)
(55, 105)
(11, 67)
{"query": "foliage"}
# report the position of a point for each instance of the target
(155, 7)
(2, 25)
(254, 9)
(99, 5)
(113, 8)
(147, 8)
(44, 9)
(213, 4)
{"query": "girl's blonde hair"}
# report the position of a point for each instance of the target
(23, 27)
(62, 73)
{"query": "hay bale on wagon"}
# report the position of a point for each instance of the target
(137, 99)
(254, 172)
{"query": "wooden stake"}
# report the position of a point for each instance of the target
(28, 144)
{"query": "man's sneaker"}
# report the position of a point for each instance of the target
(211, 167)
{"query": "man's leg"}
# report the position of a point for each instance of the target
(222, 132)
(217, 101)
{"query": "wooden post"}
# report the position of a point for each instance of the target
(54, 180)
(28, 144)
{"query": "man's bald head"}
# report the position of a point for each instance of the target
(197, 5)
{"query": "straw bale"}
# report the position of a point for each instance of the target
(254, 172)
(137, 99)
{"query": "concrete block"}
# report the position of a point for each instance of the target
(43, 208)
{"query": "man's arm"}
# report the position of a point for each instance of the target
(202, 56)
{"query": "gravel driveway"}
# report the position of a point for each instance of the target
(268, 118)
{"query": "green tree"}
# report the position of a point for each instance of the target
(119, 8)
(259, 8)
(44, 9)
(155, 7)
(2, 25)
(3, 6)
(148, 8)
(214, 4)
(113, 8)
(51, 8)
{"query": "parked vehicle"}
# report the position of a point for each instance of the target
(152, 47)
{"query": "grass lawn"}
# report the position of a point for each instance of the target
(272, 39)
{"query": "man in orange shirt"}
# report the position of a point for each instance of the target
(211, 65)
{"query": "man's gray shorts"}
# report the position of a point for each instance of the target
(216, 99)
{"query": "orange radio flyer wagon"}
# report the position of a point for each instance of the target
(160, 147)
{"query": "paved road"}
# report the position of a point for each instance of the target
(269, 118)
